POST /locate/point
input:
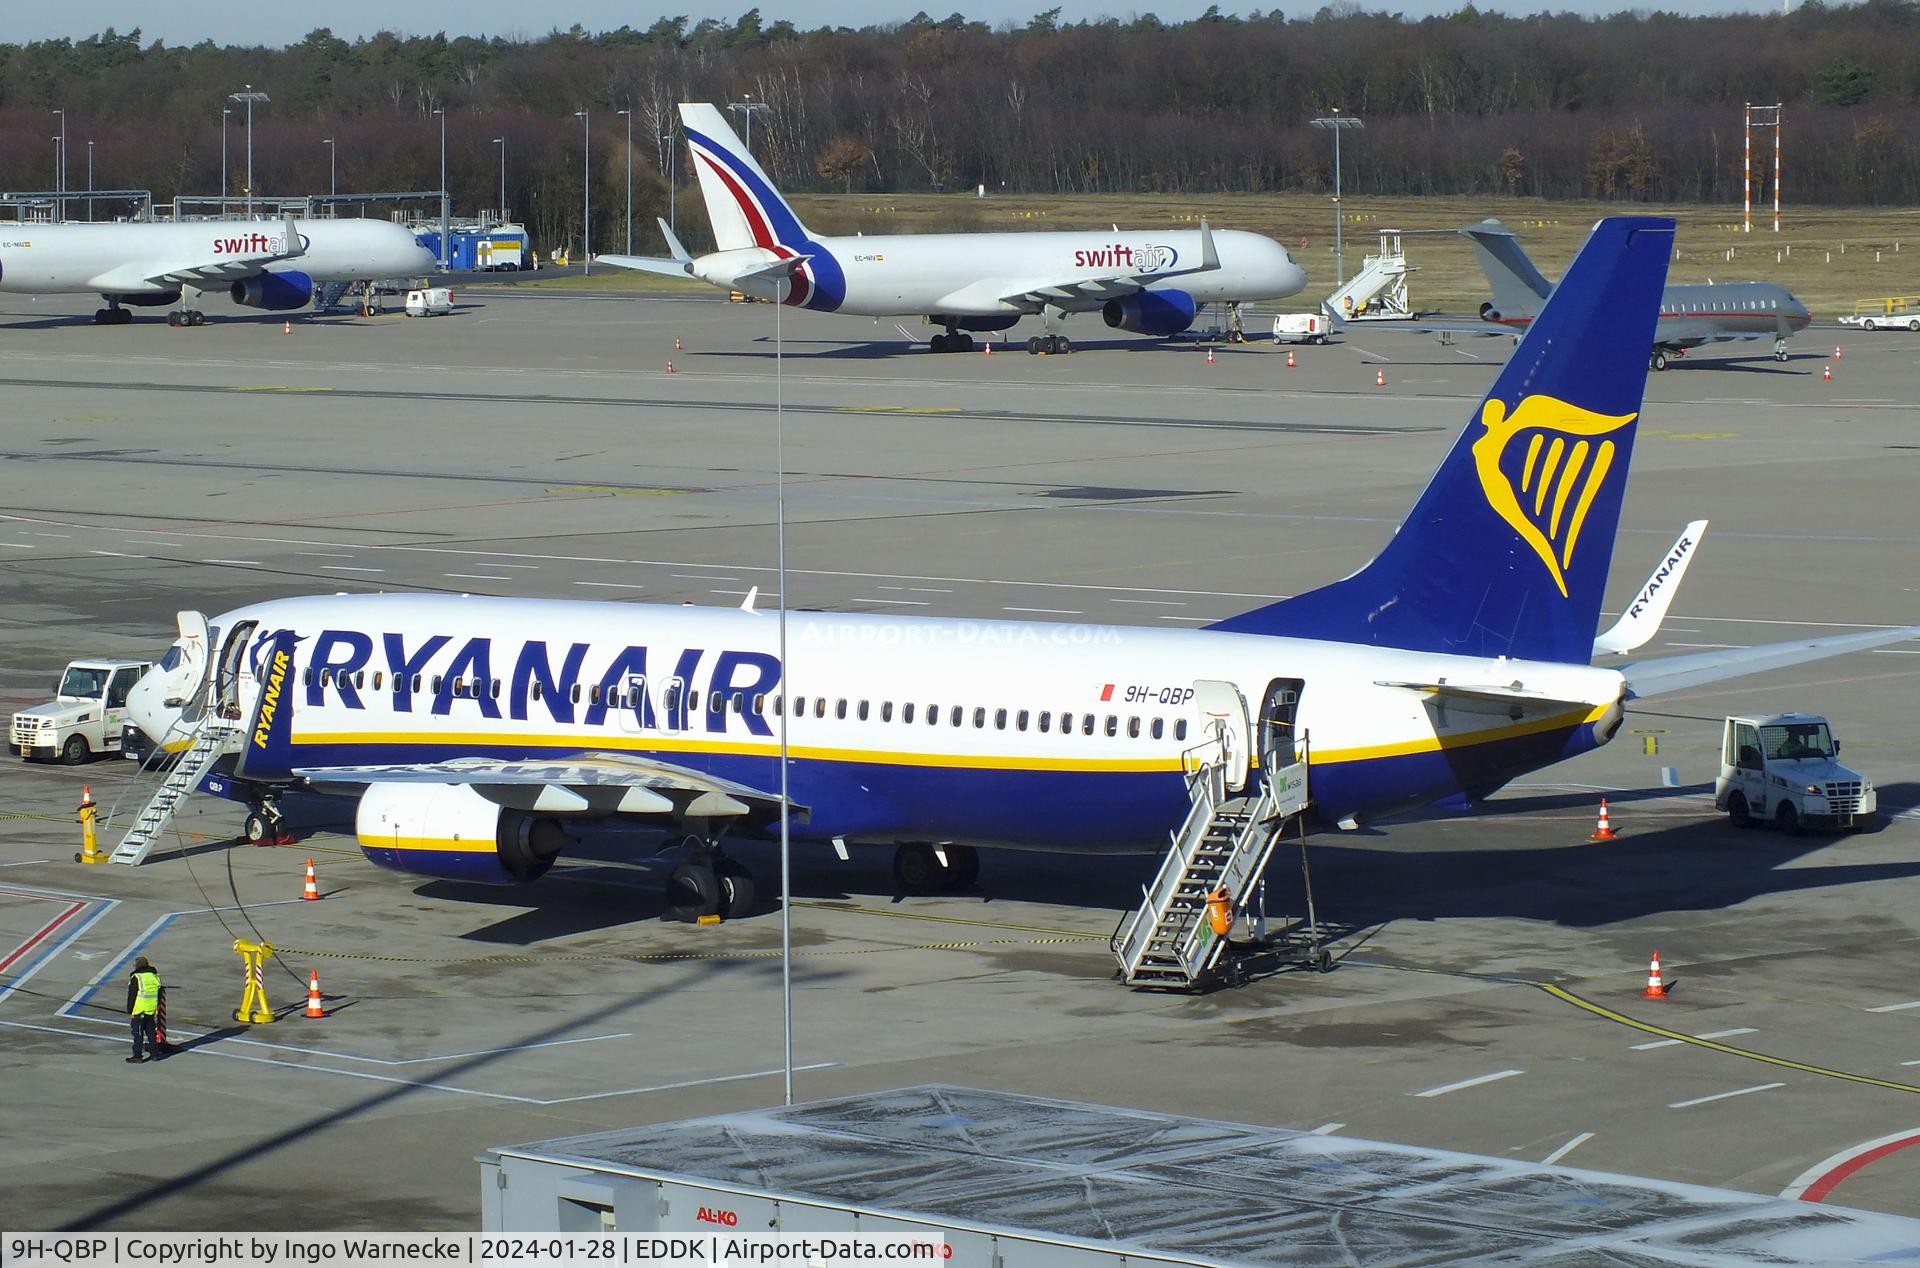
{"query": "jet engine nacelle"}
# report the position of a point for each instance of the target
(145, 299)
(275, 292)
(451, 831)
(1489, 313)
(1151, 312)
(978, 324)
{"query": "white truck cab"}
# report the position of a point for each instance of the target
(1781, 769)
(85, 716)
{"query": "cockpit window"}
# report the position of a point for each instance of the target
(82, 684)
(175, 655)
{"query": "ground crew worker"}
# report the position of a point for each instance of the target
(143, 1001)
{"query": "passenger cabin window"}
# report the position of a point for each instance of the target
(759, 705)
(1133, 728)
(886, 710)
(1020, 721)
(862, 711)
(999, 719)
(906, 712)
(1159, 727)
(1180, 729)
(534, 692)
(840, 709)
(1113, 725)
(979, 718)
(956, 715)
(1086, 724)
(1046, 717)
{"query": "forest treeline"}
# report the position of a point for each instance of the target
(1636, 106)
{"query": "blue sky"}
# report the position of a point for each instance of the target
(190, 21)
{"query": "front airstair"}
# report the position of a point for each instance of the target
(207, 740)
(1224, 844)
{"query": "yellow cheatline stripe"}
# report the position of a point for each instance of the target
(485, 845)
(971, 761)
(1600, 1010)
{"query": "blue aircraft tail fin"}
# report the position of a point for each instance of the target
(1506, 552)
(745, 208)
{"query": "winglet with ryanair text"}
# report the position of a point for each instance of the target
(1507, 550)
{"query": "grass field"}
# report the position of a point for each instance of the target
(1826, 254)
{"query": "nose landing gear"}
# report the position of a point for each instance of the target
(709, 886)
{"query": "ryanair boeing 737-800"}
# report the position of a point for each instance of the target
(1145, 283)
(474, 731)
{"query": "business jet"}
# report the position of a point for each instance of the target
(273, 265)
(1143, 283)
(1690, 316)
(477, 731)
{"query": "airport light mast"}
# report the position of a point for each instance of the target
(224, 112)
(673, 182)
(502, 143)
(1337, 123)
(446, 212)
(748, 107)
(248, 97)
(628, 115)
(89, 182)
(60, 167)
(333, 180)
(586, 191)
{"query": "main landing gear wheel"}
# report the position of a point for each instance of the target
(917, 869)
(1658, 360)
(1051, 345)
(189, 318)
(736, 889)
(952, 341)
(693, 891)
(1779, 349)
(111, 316)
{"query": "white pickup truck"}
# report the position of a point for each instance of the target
(1780, 769)
(84, 717)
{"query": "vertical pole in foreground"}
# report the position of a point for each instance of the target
(786, 708)
(1746, 180)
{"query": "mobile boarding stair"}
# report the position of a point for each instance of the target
(1224, 844)
(211, 729)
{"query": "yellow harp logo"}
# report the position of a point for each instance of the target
(1544, 489)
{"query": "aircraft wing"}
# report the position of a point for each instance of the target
(1673, 673)
(211, 274)
(596, 783)
(1488, 697)
(1084, 293)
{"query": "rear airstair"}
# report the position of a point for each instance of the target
(1378, 292)
(1224, 844)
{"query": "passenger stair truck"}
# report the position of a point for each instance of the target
(1378, 292)
(1782, 770)
(1237, 817)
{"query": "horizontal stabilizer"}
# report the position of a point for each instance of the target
(1674, 673)
(648, 264)
(1641, 621)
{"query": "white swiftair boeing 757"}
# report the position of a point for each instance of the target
(475, 730)
(269, 264)
(1146, 283)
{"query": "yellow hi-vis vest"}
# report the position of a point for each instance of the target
(146, 1000)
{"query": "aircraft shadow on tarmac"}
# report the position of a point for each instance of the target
(1366, 880)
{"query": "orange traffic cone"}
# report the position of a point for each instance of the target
(1379, 378)
(1656, 989)
(676, 343)
(314, 1008)
(1209, 356)
(669, 367)
(1826, 373)
(286, 327)
(1289, 358)
(1603, 830)
(312, 892)
(987, 344)
(1836, 352)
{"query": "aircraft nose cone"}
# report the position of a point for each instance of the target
(146, 706)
